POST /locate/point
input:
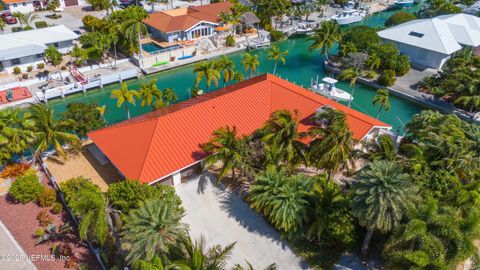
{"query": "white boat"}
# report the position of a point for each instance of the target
(349, 16)
(327, 88)
(304, 29)
(404, 3)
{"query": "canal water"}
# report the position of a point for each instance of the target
(301, 65)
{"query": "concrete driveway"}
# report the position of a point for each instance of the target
(222, 218)
(12, 255)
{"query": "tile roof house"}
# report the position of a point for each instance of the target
(186, 23)
(431, 42)
(162, 146)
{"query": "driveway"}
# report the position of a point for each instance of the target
(222, 218)
(11, 254)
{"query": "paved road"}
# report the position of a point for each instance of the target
(9, 249)
(222, 218)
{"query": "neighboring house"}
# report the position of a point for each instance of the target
(26, 48)
(164, 146)
(431, 42)
(22, 6)
(185, 24)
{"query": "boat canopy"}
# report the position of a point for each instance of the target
(329, 80)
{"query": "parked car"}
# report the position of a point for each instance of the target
(10, 19)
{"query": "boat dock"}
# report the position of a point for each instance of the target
(424, 99)
(90, 83)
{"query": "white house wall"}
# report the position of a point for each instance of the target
(420, 56)
(24, 7)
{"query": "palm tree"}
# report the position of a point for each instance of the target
(28, 18)
(16, 133)
(152, 229)
(282, 199)
(226, 67)
(325, 37)
(169, 96)
(225, 146)
(281, 131)
(373, 61)
(149, 92)
(382, 98)
(49, 131)
(133, 28)
(124, 95)
(332, 147)
(197, 257)
(2, 26)
(351, 74)
(381, 197)
(206, 69)
(237, 266)
(157, 263)
(250, 62)
(276, 55)
(54, 57)
(382, 148)
(470, 102)
(101, 110)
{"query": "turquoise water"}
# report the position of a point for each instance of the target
(301, 66)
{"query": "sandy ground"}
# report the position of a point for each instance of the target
(86, 165)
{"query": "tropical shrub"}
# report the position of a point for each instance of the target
(131, 194)
(402, 65)
(24, 76)
(47, 198)
(57, 208)
(39, 232)
(362, 37)
(282, 199)
(230, 41)
(41, 24)
(15, 170)
(29, 68)
(152, 229)
(85, 118)
(16, 70)
(26, 189)
(26, 28)
(17, 29)
(91, 23)
(40, 65)
(44, 218)
(276, 35)
(387, 78)
(399, 18)
(88, 203)
(370, 74)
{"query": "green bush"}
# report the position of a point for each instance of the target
(85, 118)
(370, 74)
(387, 78)
(26, 28)
(402, 65)
(230, 41)
(399, 18)
(276, 35)
(47, 198)
(41, 24)
(91, 23)
(39, 232)
(29, 68)
(26, 189)
(17, 29)
(129, 194)
(16, 70)
(363, 37)
(57, 208)
(41, 65)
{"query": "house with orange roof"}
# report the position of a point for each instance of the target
(164, 146)
(184, 24)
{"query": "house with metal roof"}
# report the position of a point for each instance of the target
(164, 146)
(184, 24)
(26, 48)
(431, 42)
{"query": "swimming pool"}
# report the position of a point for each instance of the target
(153, 48)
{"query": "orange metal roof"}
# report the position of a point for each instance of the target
(171, 21)
(154, 145)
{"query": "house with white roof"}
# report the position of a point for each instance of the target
(431, 42)
(26, 48)
(25, 6)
